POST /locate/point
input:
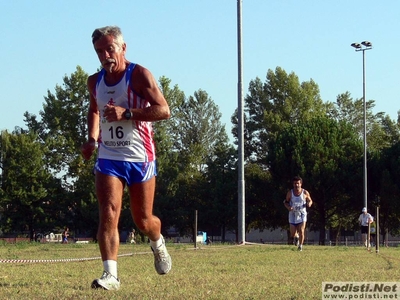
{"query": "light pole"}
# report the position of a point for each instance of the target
(241, 180)
(363, 47)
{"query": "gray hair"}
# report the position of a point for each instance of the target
(114, 31)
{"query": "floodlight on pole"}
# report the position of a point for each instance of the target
(365, 45)
(356, 45)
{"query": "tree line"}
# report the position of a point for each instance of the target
(289, 130)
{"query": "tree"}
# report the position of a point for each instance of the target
(383, 135)
(166, 134)
(271, 106)
(200, 130)
(382, 132)
(188, 143)
(385, 188)
(28, 188)
(220, 192)
(262, 209)
(62, 128)
(327, 154)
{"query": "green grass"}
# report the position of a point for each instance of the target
(212, 272)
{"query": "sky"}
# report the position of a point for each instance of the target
(195, 45)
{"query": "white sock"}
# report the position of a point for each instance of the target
(156, 244)
(111, 267)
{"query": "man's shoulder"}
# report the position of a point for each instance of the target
(93, 77)
(92, 80)
(141, 78)
(140, 72)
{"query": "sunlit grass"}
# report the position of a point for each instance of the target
(212, 272)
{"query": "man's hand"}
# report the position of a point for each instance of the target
(113, 113)
(87, 149)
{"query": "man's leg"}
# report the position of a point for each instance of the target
(292, 233)
(296, 238)
(142, 200)
(109, 192)
(300, 228)
(364, 239)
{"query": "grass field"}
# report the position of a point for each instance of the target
(212, 272)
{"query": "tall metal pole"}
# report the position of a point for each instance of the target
(363, 47)
(241, 182)
(365, 136)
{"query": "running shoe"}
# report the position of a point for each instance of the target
(106, 282)
(162, 260)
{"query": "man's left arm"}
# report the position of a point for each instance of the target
(144, 83)
(370, 219)
(308, 199)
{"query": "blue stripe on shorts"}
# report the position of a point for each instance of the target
(130, 172)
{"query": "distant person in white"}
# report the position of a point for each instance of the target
(365, 219)
(297, 199)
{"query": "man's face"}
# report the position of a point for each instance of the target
(297, 185)
(111, 55)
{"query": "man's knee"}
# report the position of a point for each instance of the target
(147, 225)
(109, 213)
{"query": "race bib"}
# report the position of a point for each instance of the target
(116, 134)
(298, 216)
(298, 207)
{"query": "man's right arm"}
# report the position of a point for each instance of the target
(93, 118)
(93, 113)
(286, 202)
